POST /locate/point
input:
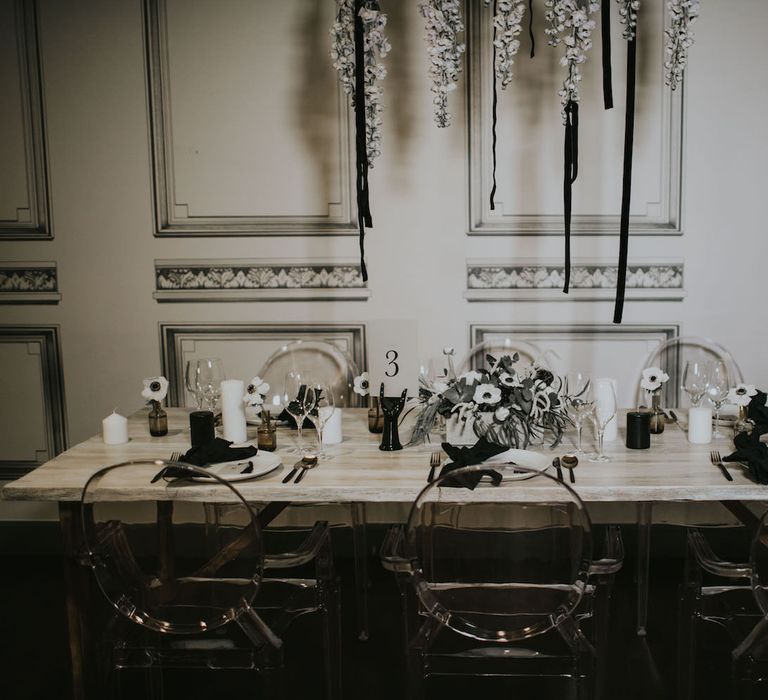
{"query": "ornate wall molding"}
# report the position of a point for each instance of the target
(542, 280)
(174, 337)
(42, 341)
(29, 283)
(172, 218)
(259, 280)
(33, 217)
(661, 217)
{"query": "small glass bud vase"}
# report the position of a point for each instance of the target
(375, 416)
(658, 419)
(266, 433)
(158, 420)
(743, 424)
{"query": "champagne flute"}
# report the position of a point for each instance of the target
(299, 399)
(695, 380)
(579, 398)
(322, 411)
(210, 374)
(603, 411)
(191, 373)
(717, 391)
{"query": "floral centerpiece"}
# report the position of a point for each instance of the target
(507, 405)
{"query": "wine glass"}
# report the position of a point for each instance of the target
(695, 380)
(322, 411)
(579, 398)
(603, 412)
(717, 391)
(210, 374)
(191, 373)
(299, 397)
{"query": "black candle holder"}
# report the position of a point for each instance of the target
(391, 407)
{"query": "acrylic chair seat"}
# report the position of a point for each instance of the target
(501, 588)
(189, 594)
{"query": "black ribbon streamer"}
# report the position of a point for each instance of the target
(570, 172)
(494, 115)
(626, 190)
(361, 162)
(605, 27)
(530, 26)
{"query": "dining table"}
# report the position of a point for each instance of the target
(357, 472)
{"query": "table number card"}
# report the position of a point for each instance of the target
(393, 356)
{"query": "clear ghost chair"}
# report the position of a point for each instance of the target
(671, 357)
(192, 596)
(733, 597)
(497, 347)
(505, 582)
(328, 364)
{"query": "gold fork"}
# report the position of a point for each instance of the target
(714, 457)
(434, 463)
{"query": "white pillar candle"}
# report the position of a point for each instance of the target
(700, 425)
(602, 395)
(332, 434)
(114, 429)
(233, 410)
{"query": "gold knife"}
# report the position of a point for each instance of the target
(293, 471)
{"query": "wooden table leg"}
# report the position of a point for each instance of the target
(644, 522)
(76, 584)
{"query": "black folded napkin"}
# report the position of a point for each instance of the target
(214, 452)
(467, 457)
(753, 453)
(757, 412)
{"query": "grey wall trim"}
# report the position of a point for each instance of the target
(29, 283)
(171, 217)
(46, 338)
(533, 332)
(172, 335)
(591, 280)
(662, 218)
(259, 280)
(33, 221)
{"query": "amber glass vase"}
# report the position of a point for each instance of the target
(158, 420)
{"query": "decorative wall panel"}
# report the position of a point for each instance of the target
(29, 283)
(24, 198)
(32, 409)
(232, 103)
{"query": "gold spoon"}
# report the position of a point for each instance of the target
(307, 462)
(570, 462)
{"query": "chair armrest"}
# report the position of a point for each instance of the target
(613, 558)
(708, 561)
(307, 551)
(391, 552)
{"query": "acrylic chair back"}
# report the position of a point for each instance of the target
(159, 563)
(759, 564)
(529, 353)
(509, 562)
(673, 354)
(323, 362)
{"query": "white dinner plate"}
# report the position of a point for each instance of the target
(263, 463)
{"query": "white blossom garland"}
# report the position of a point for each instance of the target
(443, 26)
(628, 17)
(376, 46)
(570, 25)
(682, 14)
(507, 22)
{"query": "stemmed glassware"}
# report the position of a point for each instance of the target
(717, 391)
(191, 372)
(210, 374)
(322, 411)
(696, 380)
(299, 397)
(579, 398)
(603, 411)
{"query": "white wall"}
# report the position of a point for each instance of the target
(96, 119)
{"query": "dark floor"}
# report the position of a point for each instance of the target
(34, 660)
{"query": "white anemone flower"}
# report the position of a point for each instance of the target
(508, 379)
(256, 391)
(653, 378)
(362, 385)
(501, 414)
(742, 394)
(487, 393)
(155, 388)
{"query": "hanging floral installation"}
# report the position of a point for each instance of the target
(682, 14)
(358, 39)
(443, 27)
